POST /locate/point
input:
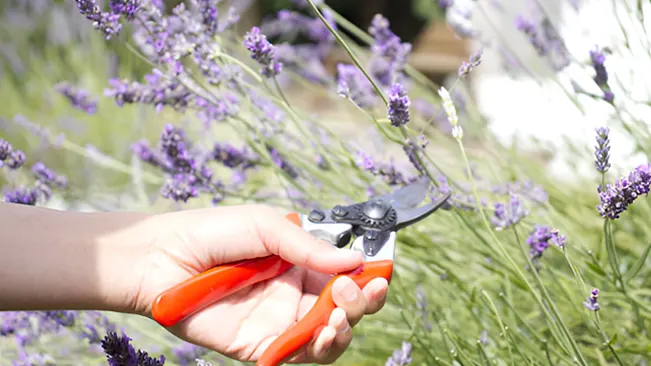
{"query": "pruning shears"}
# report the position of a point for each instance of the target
(373, 224)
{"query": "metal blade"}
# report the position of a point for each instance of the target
(408, 196)
(413, 215)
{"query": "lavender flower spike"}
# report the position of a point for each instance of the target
(401, 357)
(398, 105)
(10, 157)
(474, 61)
(592, 303)
(119, 351)
(507, 216)
(451, 113)
(79, 98)
(263, 52)
(602, 149)
(598, 58)
(616, 198)
(107, 23)
(540, 239)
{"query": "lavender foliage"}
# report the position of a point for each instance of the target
(196, 70)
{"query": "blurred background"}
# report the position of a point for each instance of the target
(43, 42)
(515, 94)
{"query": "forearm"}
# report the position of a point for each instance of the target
(68, 260)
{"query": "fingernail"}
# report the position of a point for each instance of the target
(349, 292)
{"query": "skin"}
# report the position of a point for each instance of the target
(120, 261)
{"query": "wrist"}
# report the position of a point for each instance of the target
(70, 260)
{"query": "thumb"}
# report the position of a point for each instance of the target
(283, 237)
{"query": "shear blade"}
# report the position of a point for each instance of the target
(408, 196)
(410, 216)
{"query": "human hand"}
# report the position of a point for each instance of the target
(245, 323)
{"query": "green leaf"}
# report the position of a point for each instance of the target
(612, 340)
(597, 269)
(635, 269)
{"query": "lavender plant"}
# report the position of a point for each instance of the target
(520, 268)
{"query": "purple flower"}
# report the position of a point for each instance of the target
(184, 165)
(592, 303)
(398, 105)
(474, 61)
(13, 321)
(45, 179)
(47, 176)
(352, 84)
(9, 157)
(598, 58)
(5, 149)
(282, 163)
(529, 28)
(444, 4)
(232, 157)
(94, 321)
(602, 149)
(180, 187)
(412, 150)
(120, 352)
(209, 15)
(540, 239)
(365, 161)
(79, 98)
(388, 171)
(458, 15)
(507, 216)
(128, 8)
(616, 198)
(263, 52)
(188, 353)
(159, 91)
(545, 39)
(390, 53)
(401, 356)
(107, 23)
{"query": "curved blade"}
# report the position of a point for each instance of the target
(408, 196)
(413, 215)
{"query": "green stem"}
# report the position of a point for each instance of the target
(605, 337)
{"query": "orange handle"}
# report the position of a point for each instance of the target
(206, 288)
(286, 345)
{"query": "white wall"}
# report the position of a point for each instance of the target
(524, 108)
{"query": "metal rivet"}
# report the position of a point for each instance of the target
(316, 215)
(339, 211)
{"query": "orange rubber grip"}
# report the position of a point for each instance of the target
(288, 343)
(206, 288)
